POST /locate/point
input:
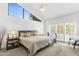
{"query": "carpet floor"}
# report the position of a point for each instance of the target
(58, 49)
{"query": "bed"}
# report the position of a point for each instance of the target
(34, 42)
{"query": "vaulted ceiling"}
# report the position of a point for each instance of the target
(53, 9)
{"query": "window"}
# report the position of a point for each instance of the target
(67, 28)
(53, 28)
(27, 15)
(15, 10)
(70, 28)
(60, 28)
(64, 31)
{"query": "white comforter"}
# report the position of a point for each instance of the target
(35, 43)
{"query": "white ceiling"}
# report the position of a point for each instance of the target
(54, 9)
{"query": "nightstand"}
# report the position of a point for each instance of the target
(12, 43)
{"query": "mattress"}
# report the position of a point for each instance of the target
(35, 43)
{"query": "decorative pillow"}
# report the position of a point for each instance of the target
(31, 34)
(22, 35)
(35, 34)
(28, 34)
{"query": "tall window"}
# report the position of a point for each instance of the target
(70, 28)
(60, 28)
(53, 28)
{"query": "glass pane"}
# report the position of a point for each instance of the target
(15, 10)
(53, 28)
(26, 15)
(69, 28)
(58, 28)
(62, 29)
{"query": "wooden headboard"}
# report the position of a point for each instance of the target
(26, 33)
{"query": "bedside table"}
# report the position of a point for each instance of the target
(12, 43)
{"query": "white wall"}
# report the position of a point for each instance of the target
(71, 18)
(24, 24)
(14, 23)
(64, 19)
